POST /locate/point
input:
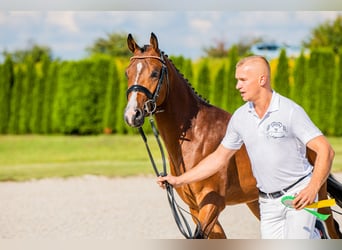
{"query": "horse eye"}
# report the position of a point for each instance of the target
(154, 74)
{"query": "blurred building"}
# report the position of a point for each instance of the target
(272, 50)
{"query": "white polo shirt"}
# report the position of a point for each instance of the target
(275, 143)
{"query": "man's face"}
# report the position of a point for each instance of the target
(247, 82)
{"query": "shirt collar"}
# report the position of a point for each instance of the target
(274, 105)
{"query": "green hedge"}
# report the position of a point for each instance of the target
(6, 84)
(89, 96)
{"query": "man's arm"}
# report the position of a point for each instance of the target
(324, 158)
(204, 169)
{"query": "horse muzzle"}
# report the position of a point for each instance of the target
(134, 117)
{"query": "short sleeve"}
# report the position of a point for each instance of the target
(303, 128)
(232, 139)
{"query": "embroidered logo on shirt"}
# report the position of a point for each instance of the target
(276, 130)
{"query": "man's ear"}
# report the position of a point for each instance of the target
(262, 80)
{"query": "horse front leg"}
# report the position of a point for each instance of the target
(209, 209)
(210, 226)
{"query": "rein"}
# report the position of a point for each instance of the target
(176, 209)
(150, 108)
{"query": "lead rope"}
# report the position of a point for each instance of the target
(177, 210)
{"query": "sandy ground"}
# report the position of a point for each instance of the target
(92, 207)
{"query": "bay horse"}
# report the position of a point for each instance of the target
(191, 129)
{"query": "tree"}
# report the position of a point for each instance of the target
(311, 100)
(282, 75)
(111, 99)
(299, 79)
(244, 45)
(324, 90)
(232, 99)
(38, 95)
(220, 82)
(337, 110)
(34, 52)
(6, 83)
(184, 67)
(115, 44)
(218, 50)
(26, 100)
(203, 80)
(328, 34)
(51, 80)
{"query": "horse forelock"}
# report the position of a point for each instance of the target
(145, 48)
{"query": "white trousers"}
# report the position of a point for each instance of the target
(281, 222)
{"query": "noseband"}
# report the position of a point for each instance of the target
(150, 105)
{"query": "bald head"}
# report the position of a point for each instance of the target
(258, 65)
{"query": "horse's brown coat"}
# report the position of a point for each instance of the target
(191, 129)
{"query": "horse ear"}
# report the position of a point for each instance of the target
(154, 41)
(132, 45)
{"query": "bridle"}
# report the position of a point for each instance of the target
(150, 106)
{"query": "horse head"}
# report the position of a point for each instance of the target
(147, 81)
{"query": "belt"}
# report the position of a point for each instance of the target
(280, 193)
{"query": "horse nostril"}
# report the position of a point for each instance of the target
(138, 114)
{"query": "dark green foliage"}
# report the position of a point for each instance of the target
(188, 71)
(327, 34)
(97, 95)
(115, 44)
(219, 84)
(26, 101)
(203, 80)
(34, 52)
(121, 126)
(281, 82)
(310, 102)
(179, 62)
(318, 88)
(232, 99)
(89, 96)
(38, 96)
(6, 84)
(80, 99)
(15, 102)
(50, 87)
(325, 81)
(111, 99)
(299, 79)
(337, 108)
(184, 66)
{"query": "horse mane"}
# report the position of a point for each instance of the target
(206, 101)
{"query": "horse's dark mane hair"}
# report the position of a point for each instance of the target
(144, 48)
(186, 80)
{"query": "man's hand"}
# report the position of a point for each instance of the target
(305, 197)
(172, 180)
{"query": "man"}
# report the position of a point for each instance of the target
(276, 132)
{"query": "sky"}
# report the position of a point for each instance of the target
(68, 33)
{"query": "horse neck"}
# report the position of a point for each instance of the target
(180, 107)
